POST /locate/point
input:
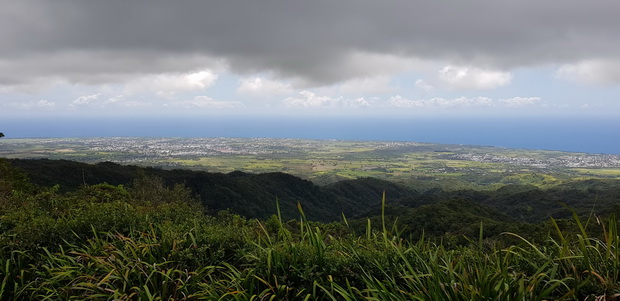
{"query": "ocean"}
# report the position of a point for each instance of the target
(574, 134)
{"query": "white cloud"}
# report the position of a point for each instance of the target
(601, 72)
(205, 102)
(401, 102)
(360, 102)
(167, 85)
(85, 100)
(377, 84)
(263, 87)
(423, 85)
(45, 104)
(42, 104)
(122, 101)
(479, 101)
(115, 99)
(136, 104)
(518, 102)
(95, 101)
(308, 99)
(471, 78)
(460, 102)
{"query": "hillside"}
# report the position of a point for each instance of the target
(151, 239)
(251, 195)
(254, 195)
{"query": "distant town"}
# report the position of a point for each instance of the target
(566, 160)
(321, 160)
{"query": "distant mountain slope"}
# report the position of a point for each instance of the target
(70, 174)
(456, 217)
(251, 195)
(533, 204)
(254, 195)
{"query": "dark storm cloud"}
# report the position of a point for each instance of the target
(315, 41)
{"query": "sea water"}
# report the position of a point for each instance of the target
(575, 134)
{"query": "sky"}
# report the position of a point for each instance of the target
(111, 58)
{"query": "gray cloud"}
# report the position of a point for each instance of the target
(313, 42)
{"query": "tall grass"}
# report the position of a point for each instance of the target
(230, 258)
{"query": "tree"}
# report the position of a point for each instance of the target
(1, 135)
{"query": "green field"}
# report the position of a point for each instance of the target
(150, 242)
(327, 161)
(71, 237)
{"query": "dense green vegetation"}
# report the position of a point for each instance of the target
(145, 234)
(329, 161)
(253, 195)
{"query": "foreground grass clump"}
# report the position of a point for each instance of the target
(230, 258)
(152, 242)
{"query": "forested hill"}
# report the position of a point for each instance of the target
(250, 195)
(254, 195)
